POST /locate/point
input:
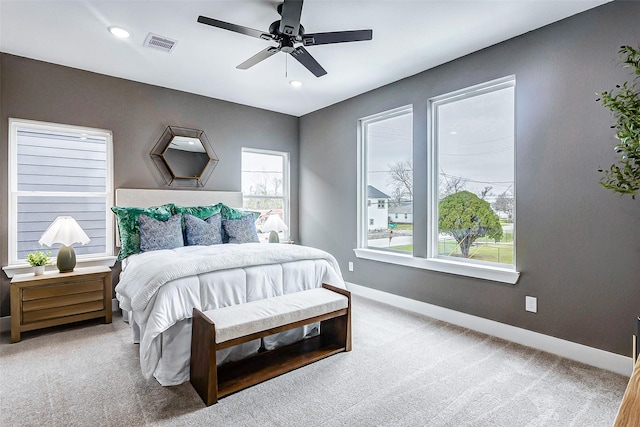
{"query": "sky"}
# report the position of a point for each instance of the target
(389, 141)
(256, 165)
(475, 138)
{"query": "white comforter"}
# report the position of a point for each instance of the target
(161, 288)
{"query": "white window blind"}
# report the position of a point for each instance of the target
(59, 170)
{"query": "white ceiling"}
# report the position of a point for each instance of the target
(408, 37)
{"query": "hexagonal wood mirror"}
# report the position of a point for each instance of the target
(184, 157)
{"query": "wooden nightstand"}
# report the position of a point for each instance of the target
(56, 298)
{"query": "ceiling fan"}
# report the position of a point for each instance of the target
(288, 33)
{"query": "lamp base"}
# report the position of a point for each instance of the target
(273, 237)
(66, 261)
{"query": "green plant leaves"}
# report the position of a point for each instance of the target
(624, 102)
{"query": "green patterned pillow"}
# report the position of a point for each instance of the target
(234, 213)
(202, 212)
(129, 228)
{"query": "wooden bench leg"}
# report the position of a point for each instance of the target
(203, 366)
(339, 328)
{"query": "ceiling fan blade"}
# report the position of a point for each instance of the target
(235, 28)
(258, 57)
(337, 37)
(290, 22)
(305, 58)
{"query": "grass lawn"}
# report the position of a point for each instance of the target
(501, 253)
(404, 226)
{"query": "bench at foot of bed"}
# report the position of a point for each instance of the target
(228, 326)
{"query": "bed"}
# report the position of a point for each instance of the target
(158, 289)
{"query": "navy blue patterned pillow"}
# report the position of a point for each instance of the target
(241, 230)
(156, 235)
(203, 232)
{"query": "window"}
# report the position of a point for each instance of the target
(59, 170)
(472, 171)
(265, 185)
(386, 177)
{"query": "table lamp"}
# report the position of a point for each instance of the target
(66, 231)
(273, 225)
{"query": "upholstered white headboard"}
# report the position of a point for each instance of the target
(135, 197)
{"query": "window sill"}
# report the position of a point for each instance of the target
(486, 272)
(11, 270)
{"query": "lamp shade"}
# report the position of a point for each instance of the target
(274, 223)
(64, 230)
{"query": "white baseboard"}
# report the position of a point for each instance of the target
(574, 351)
(5, 321)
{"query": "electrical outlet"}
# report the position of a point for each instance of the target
(531, 304)
(350, 266)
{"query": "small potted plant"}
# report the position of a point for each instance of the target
(38, 260)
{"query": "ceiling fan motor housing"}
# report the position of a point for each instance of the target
(274, 29)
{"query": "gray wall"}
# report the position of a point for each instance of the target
(137, 114)
(578, 245)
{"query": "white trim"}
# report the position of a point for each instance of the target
(362, 167)
(581, 353)
(286, 183)
(479, 271)
(13, 192)
(5, 321)
(433, 167)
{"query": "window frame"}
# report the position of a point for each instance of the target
(16, 265)
(487, 271)
(363, 202)
(432, 166)
(286, 182)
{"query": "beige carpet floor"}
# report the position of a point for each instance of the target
(404, 370)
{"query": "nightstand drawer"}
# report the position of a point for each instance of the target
(62, 300)
(62, 311)
(66, 289)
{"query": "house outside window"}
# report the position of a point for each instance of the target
(473, 174)
(59, 170)
(265, 186)
(385, 173)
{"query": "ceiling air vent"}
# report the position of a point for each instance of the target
(162, 43)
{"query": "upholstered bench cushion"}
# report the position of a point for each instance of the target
(256, 316)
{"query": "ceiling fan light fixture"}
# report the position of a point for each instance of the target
(119, 32)
(295, 83)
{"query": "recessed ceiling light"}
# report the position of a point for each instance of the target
(295, 83)
(119, 32)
